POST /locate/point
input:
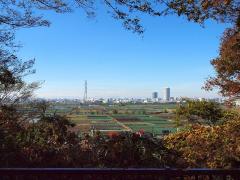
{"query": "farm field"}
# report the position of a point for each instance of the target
(152, 118)
(96, 123)
(132, 123)
(142, 108)
(148, 123)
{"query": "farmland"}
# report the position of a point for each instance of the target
(152, 124)
(155, 119)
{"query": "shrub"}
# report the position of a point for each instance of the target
(208, 147)
(200, 111)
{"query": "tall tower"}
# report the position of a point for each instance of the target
(166, 94)
(85, 92)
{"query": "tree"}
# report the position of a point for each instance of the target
(22, 13)
(47, 142)
(227, 65)
(130, 150)
(207, 147)
(40, 107)
(200, 111)
(13, 89)
(11, 124)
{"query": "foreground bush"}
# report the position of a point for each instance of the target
(208, 147)
(131, 150)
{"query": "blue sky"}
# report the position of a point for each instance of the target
(118, 63)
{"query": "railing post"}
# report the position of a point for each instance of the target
(210, 177)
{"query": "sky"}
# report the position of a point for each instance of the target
(172, 52)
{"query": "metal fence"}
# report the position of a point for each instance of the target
(117, 173)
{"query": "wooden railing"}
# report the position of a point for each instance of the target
(117, 173)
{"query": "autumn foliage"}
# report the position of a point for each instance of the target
(208, 147)
(227, 65)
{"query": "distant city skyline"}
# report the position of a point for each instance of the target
(117, 63)
(97, 93)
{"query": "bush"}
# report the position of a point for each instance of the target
(131, 150)
(200, 111)
(208, 147)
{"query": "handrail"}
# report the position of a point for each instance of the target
(163, 171)
(116, 173)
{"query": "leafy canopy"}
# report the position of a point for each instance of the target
(200, 112)
(227, 65)
(22, 13)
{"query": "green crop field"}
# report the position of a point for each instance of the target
(151, 118)
(99, 118)
(148, 123)
(96, 122)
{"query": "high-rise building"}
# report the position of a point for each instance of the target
(166, 94)
(154, 95)
(85, 98)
